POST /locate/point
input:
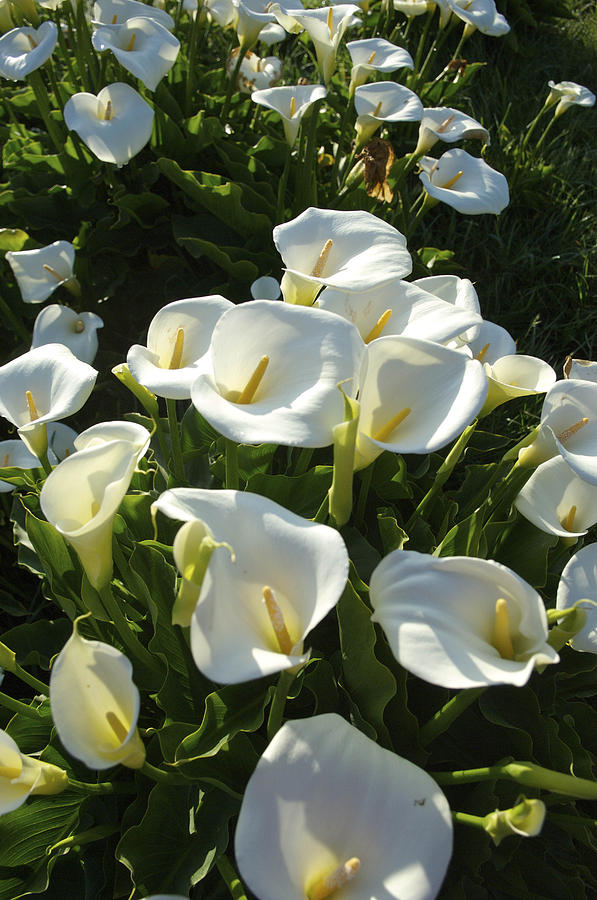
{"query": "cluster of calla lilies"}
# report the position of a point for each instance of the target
(343, 353)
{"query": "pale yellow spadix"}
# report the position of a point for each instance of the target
(276, 617)
(371, 58)
(501, 630)
(31, 41)
(6, 460)
(377, 109)
(131, 43)
(452, 181)
(445, 123)
(33, 413)
(568, 521)
(176, 358)
(53, 272)
(568, 432)
(95, 508)
(248, 393)
(379, 326)
(114, 19)
(326, 886)
(331, 21)
(383, 433)
(481, 354)
(116, 725)
(108, 111)
(292, 106)
(319, 266)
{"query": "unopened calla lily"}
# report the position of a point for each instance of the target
(22, 776)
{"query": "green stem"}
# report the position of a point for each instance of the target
(443, 473)
(41, 97)
(31, 680)
(366, 476)
(444, 717)
(232, 81)
(341, 130)
(322, 513)
(309, 178)
(545, 132)
(14, 321)
(303, 461)
(175, 444)
(86, 837)
(161, 777)
(281, 203)
(532, 125)
(17, 707)
(422, 41)
(228, 873)
(276, 710)
(192, 671)
(102, 787)
(190, 84)
(468, 819)
(232, 479)
(506, 491)
(45, 462)
(526, 773)
(131, 644)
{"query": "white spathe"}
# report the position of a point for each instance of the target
(23, 50)
(567, 94)
(95, 704)
(346, 250)
(579, 582)
(464, 182)
(115, 125)
(102, 472)
(481, 15)
(178, 341)
(460, 292)
(384, 101)
(322, 794)
(251, 17)
(42, 386)
(441, 391)
(304, 564)
(449, 125)
(39, 272)
(516, 375)
(255, 73)
(439, 616)
(104, 432)
(291, 103)
(105, 11)
(491, 343)
(296, 402)
(325, 26)
(375, 55)
(58, 324)
(21, 776)
(143, 46)
(558, 501)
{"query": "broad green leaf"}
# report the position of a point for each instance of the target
(393, 537)
(35, 643)
(301, 494)
(463, 539)
(15, 239)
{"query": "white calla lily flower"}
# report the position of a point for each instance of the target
(580, 369)
(115, 125)
(491, 343)
(115, 12)
(42, 386)
(579, 582)
(255, 74)
(557, 501)
(272, 34)
(460, 292)
(39, 272)
(328, 808)
(145, 48)
(416, 396)
(464, 182)
(61, 441)
(400, 308)
(516, 376)
(325, 27)
(449, 125)
(524, 820)
(275, 371)
(275, 578)
(567, 94)
(102, 472)
(375, 55)
(383, 101)
(251, 17)
(460, 622)
(413, 8)
(105, 432)
(177, 345)
(480, 15)
(221, 11)
(21, 776)
(15, 455)
(95, 704)
(291, 103)
(61, 325)
(23, 50)
(346, 250)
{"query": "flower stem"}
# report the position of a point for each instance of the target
(31, 680)
(366, 477)
(309, 192)
(545, 132)
(468, 819)
(190, 84)
(281, 202)
(161, 777)
(41, 97)
(276, 710)
(14, 320)
(131, 644)
(228, 873)
(444, 717)
(232, 81)
(175, 444)
(102, 787)
(525, 773)
(87, 837)
(17, 707)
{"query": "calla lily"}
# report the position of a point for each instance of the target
(272, 34)
(60, 441)
(275, 370)
(23, 50)
(491, 343)
(349, 251)
(464, 182)
(102, 472)
(222, 11)
(145, 48)
(579, 582)
(115, 12)
(61, 325)
(291, 103)
(251, 17)
(115, 125)
(42, 386)
(192, 549)
(568, 427)
(413, 8)
(257, 607)
(328, 808)
(375, 55)
(580, 369)
(460, 622)
(104, 432)
(383, 101)
(557, 501)
(15, 455)
(40, 272)
(325, 27)
(95, 704)
(21, 776)
(449, 125)
(516, 376)
(567, 94)
(523, 820)
(255, 74)
(400, 308)
(177, 343)
(415, 396)
(460, 292)
(481, 15)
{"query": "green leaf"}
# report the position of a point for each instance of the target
(525, 549)
(393, 537)
(463, 539)
(301, 494)
(15, 239)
